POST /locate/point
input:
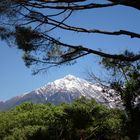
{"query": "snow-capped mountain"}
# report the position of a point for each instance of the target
(64, 90)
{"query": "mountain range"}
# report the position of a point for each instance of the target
(65, 90)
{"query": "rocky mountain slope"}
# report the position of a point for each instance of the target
(65, 90)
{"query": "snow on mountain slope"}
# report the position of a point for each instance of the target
(64, 90)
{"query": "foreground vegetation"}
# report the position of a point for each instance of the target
(81, 120)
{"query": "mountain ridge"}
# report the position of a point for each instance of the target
(64, 90)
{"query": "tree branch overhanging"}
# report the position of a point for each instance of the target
(130, 3)
(70, 4)
(69, 7)
(55, 16)
(84, 30)
(64, 26)
(119, 57)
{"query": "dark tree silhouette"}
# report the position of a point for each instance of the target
(29, 23)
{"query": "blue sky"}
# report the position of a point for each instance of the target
(16, 79)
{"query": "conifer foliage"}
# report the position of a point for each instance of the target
(29, 25)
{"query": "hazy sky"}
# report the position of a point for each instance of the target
(16, 79)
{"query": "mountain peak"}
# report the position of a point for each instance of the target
(63, 90)
(69, 76)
